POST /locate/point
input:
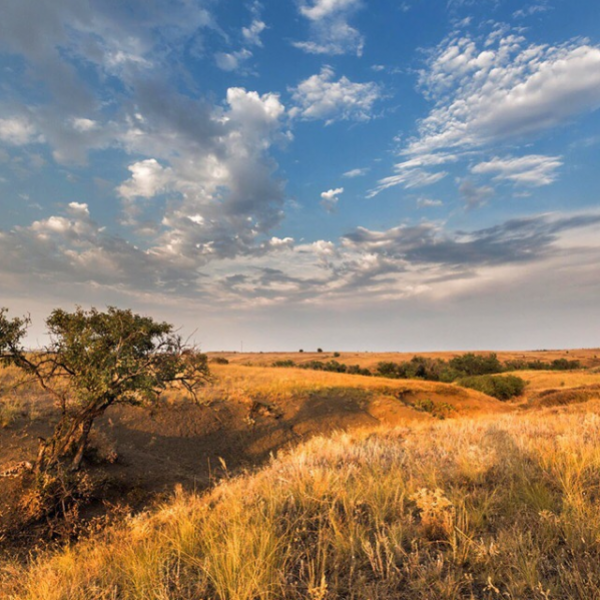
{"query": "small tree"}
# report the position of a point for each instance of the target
(94, 360)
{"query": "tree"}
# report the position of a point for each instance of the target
(97, 359)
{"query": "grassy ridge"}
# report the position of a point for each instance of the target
(489, 507)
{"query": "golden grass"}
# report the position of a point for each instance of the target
(282, 385)
(543, 380)
(503, 506)
(18, 398)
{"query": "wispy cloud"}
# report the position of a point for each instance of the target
(531, 170)
(330, 32)
(356, 172)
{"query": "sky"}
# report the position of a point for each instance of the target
(369, 175)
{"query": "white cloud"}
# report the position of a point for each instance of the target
(329, 28)
(356, 173)
(411, 173)
(494, 89)
(330, 199)
(503, 88)
(81, 124)
(223, 198)
(409, 178)
(320, 9)
(532, 170)
(148, 178)
(320, 97)
(231, 61)
(18, 131)
(428, 203)
(252, 34)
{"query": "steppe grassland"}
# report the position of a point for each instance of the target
(495, 506)
(279, 385)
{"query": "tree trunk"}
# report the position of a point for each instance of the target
(69, 437)
(86, 427)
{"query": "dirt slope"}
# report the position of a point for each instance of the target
(253, 412)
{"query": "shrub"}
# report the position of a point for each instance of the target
(559, 364)
(473, 364)
(388, 369)
(562, 364)
(319, 350)
(284, 363)
(502, 387)
(219, 360)
(358, 370)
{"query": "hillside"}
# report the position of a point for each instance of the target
(247, 414)
(493, 506)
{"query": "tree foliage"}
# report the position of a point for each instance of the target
(94, 360)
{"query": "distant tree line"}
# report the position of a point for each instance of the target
(477, 371)
(332, 366)
(466, 365)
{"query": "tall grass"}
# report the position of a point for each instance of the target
(489, 507)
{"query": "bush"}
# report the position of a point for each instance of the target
(502, 387)
(220, 360)
(559, 364)
(562, 364)
(319, 350)
(419, 367)
(473, 364)
(284, 363)
(358, 370)
(388, 369)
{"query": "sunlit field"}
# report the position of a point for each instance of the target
(497, 506)
(385, 489)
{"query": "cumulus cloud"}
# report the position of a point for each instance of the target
(532, 170)
(502, 87)
(494, 89)
(330, 32)
(17, 131)
(224, 199)
(231, 61)
(330, 198)
(321, 97)
(148, 178)
(202, 182)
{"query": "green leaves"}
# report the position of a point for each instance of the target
(12, 332)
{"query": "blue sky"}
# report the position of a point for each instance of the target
(348, 174)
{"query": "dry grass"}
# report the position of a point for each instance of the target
(490, 507)
(279, 386)
(544, 380)
(18, 399)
